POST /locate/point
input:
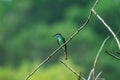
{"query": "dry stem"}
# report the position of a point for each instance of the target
(106, 25)
(71, 69)
(114, 56)
(91, 75)
(53, 53)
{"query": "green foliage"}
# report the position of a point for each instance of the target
(54, 72)
(27, 27)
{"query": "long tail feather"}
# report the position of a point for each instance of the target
(65, 53)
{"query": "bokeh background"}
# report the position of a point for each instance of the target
(27, 27)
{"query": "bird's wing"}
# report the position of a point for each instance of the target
(65, 49)
(65, 44)
(58, 42)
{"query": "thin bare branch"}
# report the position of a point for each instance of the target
(98, 75)
(114, 56)
(47, 59)
(53, 53)
(96, 58)
(80, 28)
(71, 69)
(90, 74)
(99, 51)
(69, 39)
(95, 4)
(106, 25)
(114, 39)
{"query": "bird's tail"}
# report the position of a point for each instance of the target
(65, 53)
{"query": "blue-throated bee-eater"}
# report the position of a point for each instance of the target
(61, 41)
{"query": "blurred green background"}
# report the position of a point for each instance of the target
(27, 27)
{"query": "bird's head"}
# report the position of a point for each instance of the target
(57, 35)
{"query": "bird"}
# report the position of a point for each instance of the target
(61, 41)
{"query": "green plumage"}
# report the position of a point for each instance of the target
(61, 41)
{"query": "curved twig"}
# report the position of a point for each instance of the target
(91, 75)
(106, 25)
(71, 69)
